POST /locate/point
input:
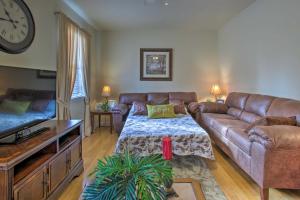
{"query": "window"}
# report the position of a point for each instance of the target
(79, 89)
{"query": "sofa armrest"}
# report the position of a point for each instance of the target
(276, 137)
(120, 108)
(118, 112)
(210, 107)
(193, 107)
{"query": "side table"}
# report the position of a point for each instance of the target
(100, 114)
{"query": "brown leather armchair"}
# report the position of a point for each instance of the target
(120, 112)
(270, 155)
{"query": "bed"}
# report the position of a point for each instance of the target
(143, 136)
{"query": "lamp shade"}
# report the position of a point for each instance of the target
(215, 90)
(106, 91)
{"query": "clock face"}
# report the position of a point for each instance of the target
(16, 26)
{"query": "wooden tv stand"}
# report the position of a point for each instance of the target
(41, 167)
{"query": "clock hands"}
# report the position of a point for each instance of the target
(13, 22)
(3, 19)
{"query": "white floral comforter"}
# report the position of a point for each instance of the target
(143, 136)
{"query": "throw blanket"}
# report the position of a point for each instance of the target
(143, 136)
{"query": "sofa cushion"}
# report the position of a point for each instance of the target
(208, 117)
(249, 117)
(237, 100)
(235, 112)
(211, 107)
(284, 108)
(179, 107)
(158, 98)
(238, 137)
(258, 104)
(222, 125)
(187, 97)
(129, 98)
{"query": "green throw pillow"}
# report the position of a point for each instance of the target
(16, 107)
(161, 111)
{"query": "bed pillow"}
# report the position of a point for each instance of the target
(140, 108)
(161, 111)
(15, 107)
(271, 121)
(179, 107)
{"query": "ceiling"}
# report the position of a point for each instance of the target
(141, 14)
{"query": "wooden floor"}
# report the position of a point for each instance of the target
(235, 184)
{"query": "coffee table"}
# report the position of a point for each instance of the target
(187, 188)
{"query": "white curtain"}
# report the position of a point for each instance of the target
(66, 64)
(85, 47)
(73, 51)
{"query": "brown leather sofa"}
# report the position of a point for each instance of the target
(270, 155)
(120, 112)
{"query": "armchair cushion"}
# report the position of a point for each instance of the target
(209, 107)
(275, 137)
(271, 121)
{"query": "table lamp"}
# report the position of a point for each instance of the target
(215, 91)
(106, 92)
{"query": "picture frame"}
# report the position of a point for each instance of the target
(156, 64)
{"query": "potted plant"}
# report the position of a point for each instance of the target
(130, 177)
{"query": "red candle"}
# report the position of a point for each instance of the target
(167, 148)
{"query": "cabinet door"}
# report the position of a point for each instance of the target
(57, 170)
(34, 188)
(75, 154)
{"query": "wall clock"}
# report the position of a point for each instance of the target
(17, 27)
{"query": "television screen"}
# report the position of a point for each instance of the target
(27, 98)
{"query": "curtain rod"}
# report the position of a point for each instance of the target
(72, 21)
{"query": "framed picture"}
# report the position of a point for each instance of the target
(156, 64)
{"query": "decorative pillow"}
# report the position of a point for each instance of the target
(15, 107)
(179, 107)
(140, 108)
(193, 107)
(161, 111)
(271, 121)
(40, 105)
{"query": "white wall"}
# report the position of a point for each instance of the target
(260, 49)
(195, 65)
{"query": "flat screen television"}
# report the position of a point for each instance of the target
(27, 98)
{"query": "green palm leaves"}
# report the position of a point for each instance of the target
(129, 177)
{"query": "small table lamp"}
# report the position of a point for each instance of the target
(216, 91)
(106, 92)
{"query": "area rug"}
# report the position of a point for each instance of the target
(196, 168)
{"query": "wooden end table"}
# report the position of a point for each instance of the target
(100, 114)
